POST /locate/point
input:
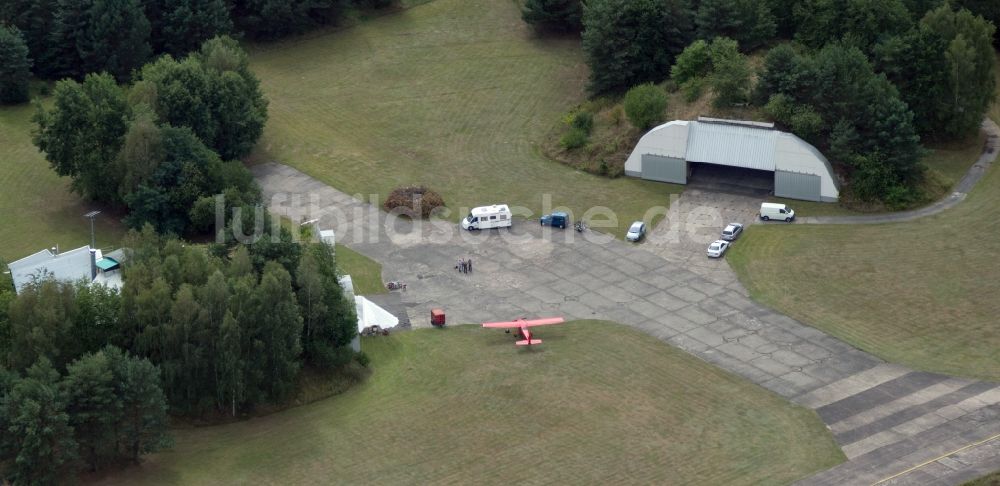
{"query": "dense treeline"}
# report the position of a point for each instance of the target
(230, 326)
(88, 373)
(863, 80)
(72, 38)
(164, 146)
(15, 66)
(101, 409)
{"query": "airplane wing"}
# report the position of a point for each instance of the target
(503, 324)
(525, 322)
(542, 322)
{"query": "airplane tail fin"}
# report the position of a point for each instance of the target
(528, 342)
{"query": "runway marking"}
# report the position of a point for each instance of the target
(918, 466)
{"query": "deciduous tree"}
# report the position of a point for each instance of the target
(82, 133)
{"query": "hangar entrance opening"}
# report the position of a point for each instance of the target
(731, 180)
(734, 156)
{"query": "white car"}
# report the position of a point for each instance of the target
(732, 231)
(636, 231)
(718, 248)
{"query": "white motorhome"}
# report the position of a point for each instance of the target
(486, 217)
(780, 212)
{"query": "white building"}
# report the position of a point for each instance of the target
(800, 170)
(83, 263)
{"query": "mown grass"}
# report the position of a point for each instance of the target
(366, 274)
(992, 479)
(37, 210)
(946, 164)
(453, 94)
(921, 293)
(595, 403)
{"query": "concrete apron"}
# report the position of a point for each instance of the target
(886, 418)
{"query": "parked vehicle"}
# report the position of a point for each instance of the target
(636, 231)
(395, 285)
(486, 217)
(579, 226)
(717, 248)
(769, 211)
(732, 231)
(557, 219)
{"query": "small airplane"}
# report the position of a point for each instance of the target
(522, 326)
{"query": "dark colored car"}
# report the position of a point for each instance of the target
(556, 219)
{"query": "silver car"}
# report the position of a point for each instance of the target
(732, 231)
(717, 248)
(636, 231)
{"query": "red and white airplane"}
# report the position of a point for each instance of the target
(522, 326)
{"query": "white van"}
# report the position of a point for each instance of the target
(486, 217)
(769, 211)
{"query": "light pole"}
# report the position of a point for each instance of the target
(91, 215)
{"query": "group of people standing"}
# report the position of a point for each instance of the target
(464, 266)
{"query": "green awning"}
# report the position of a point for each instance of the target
(107, 263)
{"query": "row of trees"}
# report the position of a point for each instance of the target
(106, 407)
(72, 38)
(158, 146)
(756, 23)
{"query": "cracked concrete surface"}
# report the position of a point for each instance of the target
(885, 417)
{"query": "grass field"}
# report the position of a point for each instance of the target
(454, 94)
(366, 274)
(596, 403)
(921, 293)
(988, 480)
(946, 164)
(38, 211)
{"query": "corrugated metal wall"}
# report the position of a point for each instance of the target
(797, 186)
(664, 169)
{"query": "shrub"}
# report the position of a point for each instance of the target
(645, 104)
(780, 108)
(900, 197)
(574, 139)
(806, 123)
(583, 120)
(694, 62)
(730, 73)
(616, 115)
(692, 89)
(413, 201)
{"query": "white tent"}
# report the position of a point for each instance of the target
(370, 314)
